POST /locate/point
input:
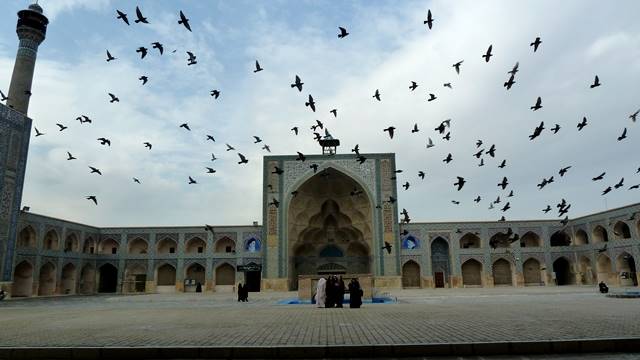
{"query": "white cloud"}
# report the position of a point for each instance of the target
(53, 8)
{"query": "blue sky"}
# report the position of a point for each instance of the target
(388, 47)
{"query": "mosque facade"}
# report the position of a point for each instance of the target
(335, 217)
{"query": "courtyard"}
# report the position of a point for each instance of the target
(437, 316)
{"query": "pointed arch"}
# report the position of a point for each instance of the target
(71, 243)
(195, 245)
(168, 246)
(470, 241)
(626, 267)
(51, 240)
(530, 239)
(502, 272)
(563, 271)
(89, 246)
(472, 273)
(108, 246)
(196, 271)
(135, 278)
(225, 274)
(560, 238)
(600, 234)
(22, 280)
(47, 279)
(532, 272)
(138, 246)
(108, 278)
(88, 279)
(27, 238)
(69, 279)
(225, 245)
(603, 267)
(621, 230)
(581, 237)
(411, 274)
(166, 275)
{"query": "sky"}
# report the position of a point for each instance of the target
(388, 46)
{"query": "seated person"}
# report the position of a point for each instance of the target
(603, 287)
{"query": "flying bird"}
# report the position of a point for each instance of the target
(95, 170)
(70, 157)
(110, 57)
(343, 32)
(213, 157)
(599, 177)
(429, 21)
(192, 59)
(295, 130)
(210, 170)
(215, 93)
(334, 112)
(148, 145)
(300, 157)
(387, 246)
(390, 130)
(514, 70)
(277, 170)
(143, 51)
(229, 147)
(538, 104)
(457, 66)
(274, 202)
(257, 139)
(448, 85)
(413, 86)
(159, 46)
(421, 174)
(623, 136)
(448, 158)
(606, 191)
(192, 181)
(113, 98)
(62, 127)
(633, 116)
(92, 198)
(619, 184)
(38, 133)
(415, 128)
(122, 16)
(596, 82)
(104, 141)
(3, 97)
(311, 104)
(210, 137)
(555, 129)
(140, 17)
(377, 95)
(504, 183)
(430, 143)
(258, 68)
(547, 209)
(488, 54)
(509, 83)
(185, 126)
(536, 43)
(503, 164)
(136, 180)
(564, 170)
(297, 84)
(431, 97)
(184, 21)
(582, 124)
(537, 131)
(460, 183)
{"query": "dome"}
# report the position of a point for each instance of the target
(36, 8)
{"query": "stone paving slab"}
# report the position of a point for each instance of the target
(206, 320)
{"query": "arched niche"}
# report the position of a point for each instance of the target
(138, 246)
(195, 245)
(88, 279)
(560, 238)
(89, 246)
(27, 238)
(108, 246)
(47, 280)
(411, 274)
(502, 273)
(532, 272)
(69, 279)
(530, 239)
(471, 273)
(22, 280)
(167, 246)
(600, 234)
(564, 272)
(603, 267)
(621, 230)
(51, 240)
(470, 241)
(71, 243)
(225, 245)
(225, 274)
(581, 238)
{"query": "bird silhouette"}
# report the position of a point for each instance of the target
(538, 104)
(623, 136)
(274, 202)
(387, 246)
(536, 43)
(104, 141)
(215, 93)
(607, 190)
(122, 16)
(92, 198)
(143, 51)
(431, 97)
(413, 86)
(406, 185)
(70, 157)
(343, 32)
(555, 129)
(61, 127)
(213, 157)
(506, 207)
(448, 159)
(596, 82)
(390, 130)
(460, 183)
(144, 79)
(503, 164)
(415, 129)
(140, 17)
(243, 159)
(509, 83)
(258, 68)
(136, 180)
(477, 199)
(488, 54)
(297, 84)
(295, 130)
(192, 181)
(185, 126)
(109, 57)
(113, 98)
(159, 46)
(582, 124)
(277, 170)
(619, 184)
(448, 85)
(514, 70)
(430, 143)
(229, 147)
(599, 177)
(633, 116)
(257, 139)
(334, 112)
(457, 66)
(537, 131)
(421, 174)
(564, 170)
(311, 104)
(547, 209)
(210, 170)
(38, 133)
(95, 170)
(191, 60)
(637, 186)
(184, 21)
(377, 95)
(429, 21)
(300, 157)
(504, 183)
(3, 97)
(148, 145)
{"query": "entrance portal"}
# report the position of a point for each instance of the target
(252, 280)
(562, 269)
(329, 227)
(410, 275)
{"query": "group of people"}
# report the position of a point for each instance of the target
(330, 292)
(243, 293)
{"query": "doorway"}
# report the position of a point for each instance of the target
(108, 279)
(252, 280)
(439, 278)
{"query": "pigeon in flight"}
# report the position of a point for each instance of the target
(38, 133)
(538, 104)
(258, 68)
(215, 93)
(210, 170)
(192, 59)
(184, 21)
(311, 104)
(295, 130)
(277, 170)
(421, 174)
(619, 184)
(503, 164)
(140, 17)
(477, 199)
(457, 66)
(429, 21)
(390, 130)
(547, 209)
(488, 54)
(606, 191)
(430, 143)
(413, 86)
(300, 157)
(229, 147)
(596, 83)
(62, 127)
(185, 126)
(95, 170)
(447, 85)
(514, 70)
(3, 97)
(148, 145)
(297, 84)
(555, 129)
(136, 180)
(377, 95)
(460, 183)
(343, 32)
(564, 170)
(406, 185)
(110, 57)
(104, 141)
(536, 43)
(159, 46)
(623, 136)
(92, 198)
(387, 246)
(504, 183)
(143, 51)
(582, 124)
(274, 202)
(506, 207)
(122, 16)
(192, 181)
(637, 186)
(113, 98)
(431, 97)
(213, 157)
(257, 139)
(415, 128)
(448, 158)
(144, 79)
(334, 112)
(70, 157)
(509, 83)
(243, 159)
(633, 116)
(599, 177)
(537, 131)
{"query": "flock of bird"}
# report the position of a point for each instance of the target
(443, 129)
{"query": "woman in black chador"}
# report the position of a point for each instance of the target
(340, 290)
(355, 294)
(240, 293)
(331, 292)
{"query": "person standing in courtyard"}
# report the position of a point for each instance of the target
(321, 294)
(240, 292)
(340, 289)
(198, 287)
(355, 294)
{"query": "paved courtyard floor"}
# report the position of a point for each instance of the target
(418, 317)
